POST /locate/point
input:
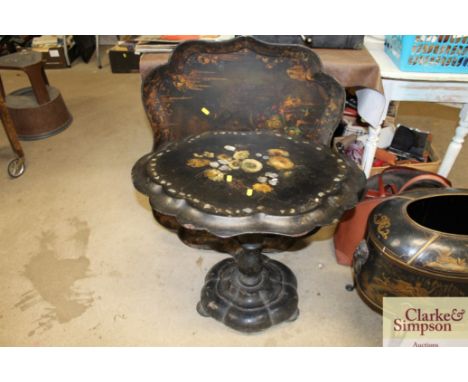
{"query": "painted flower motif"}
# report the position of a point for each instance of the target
(269, 62)
(251, 165)
(208, 154)
(214, 175)
(222, 167)
(293, 131)
(197, 162)
(208, 59)
(234, 164)
(274, 122)
(278, 152)
(190, 81)
(241, 155)
(262, 187)
(298, 72)
(281, 163)
(291, 102)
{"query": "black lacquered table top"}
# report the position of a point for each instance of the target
(238, 173)
(255, 176)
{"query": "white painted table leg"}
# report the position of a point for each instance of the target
(369, 150)
(371, 144)
(456, 144)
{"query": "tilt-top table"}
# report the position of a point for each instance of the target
(243, 184)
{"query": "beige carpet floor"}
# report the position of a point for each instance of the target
(82, 262)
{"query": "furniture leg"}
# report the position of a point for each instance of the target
(370, 149)
(17, 166)
(44, 76)
(2, 91)
(372, 141)
(39, 87)
(457, 142)
(98, 53)
(250, 292)
(65, 51)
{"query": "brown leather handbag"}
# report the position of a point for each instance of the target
(392, 181)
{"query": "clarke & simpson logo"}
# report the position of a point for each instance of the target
(425, 321)
(417, 320)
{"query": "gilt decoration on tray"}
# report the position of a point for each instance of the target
(242, 84)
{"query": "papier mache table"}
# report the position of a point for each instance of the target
(244, 184)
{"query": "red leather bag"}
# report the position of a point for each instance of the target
(394, 180)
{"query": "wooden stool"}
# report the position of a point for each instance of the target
(38, 111)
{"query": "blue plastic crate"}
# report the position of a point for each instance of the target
(428, 53)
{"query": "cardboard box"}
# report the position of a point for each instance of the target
(124, 61)
(432, 165)
(54, 57)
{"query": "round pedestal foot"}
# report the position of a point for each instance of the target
(201, 311)
(294, 316)
(250, 304)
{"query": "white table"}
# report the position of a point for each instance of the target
(409, 86)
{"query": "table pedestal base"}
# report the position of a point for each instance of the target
(249, 293)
